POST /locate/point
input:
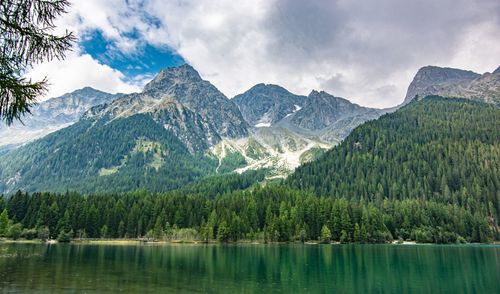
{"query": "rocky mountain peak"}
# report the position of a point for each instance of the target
(171, 76)
(265, 104)
(322, 110)
(450, 82)
(191, 108)
(429, 78)
(324, 97)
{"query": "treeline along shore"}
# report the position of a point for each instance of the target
(271, 214)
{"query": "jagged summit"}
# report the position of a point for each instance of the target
(322, 110)
(429, 78)
(182, 102)
(171, 76)
(497, 71)
(266, 104)
(451, 82)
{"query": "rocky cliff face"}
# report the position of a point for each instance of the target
(185, 85)
(179, 100)
(291, 129)
(456, 83)
(330, 118)
(485, 88)
(53, 114)
(430, 79)
(322, 110)
(264, 105)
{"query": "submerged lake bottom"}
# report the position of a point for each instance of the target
(247, 268)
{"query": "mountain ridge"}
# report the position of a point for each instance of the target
(53, 114)
(186, 120)
(452, 82)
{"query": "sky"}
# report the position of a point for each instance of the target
(363, 50)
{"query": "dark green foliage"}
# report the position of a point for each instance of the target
(15, 231)
(231, 162)
(43, 233)
(29, 234)
(218, 185)
(276, 213)
(4, 223)
(25, 35)
(75, 157)
(443, 150)
(428, 173)
(65, 236)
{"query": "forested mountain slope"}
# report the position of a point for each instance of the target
(91, 156)
(428, 172)
(439, 149)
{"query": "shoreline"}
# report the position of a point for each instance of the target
(122, 242)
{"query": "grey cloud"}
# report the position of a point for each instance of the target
(373, 38)
(333, 84)
(364, 50)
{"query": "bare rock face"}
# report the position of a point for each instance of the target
(184, 84)
(178, 99)
(433, 80)
(322, 110)
(189, 127)
(265, 105)
(485, 88)
(53, 114)
(332, 118)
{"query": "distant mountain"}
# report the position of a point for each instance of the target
(449, 82)
(485, 88)
(323, 111)
(178, 99)
(184, 84)
(430, 78)
(326, 118)
(291, 129)
(181, 128)
(264, 105)
(158, 139)
(53, 114)
(441, 149)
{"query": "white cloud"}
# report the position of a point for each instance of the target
(78, 71)
(366, 51)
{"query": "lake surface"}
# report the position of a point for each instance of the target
(84, 268)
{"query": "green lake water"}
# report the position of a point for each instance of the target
(152, 268)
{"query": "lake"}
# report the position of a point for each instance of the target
(247, 268)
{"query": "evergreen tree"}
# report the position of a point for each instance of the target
(25, 35)
(15, 231)
(326, 235)
(158, 229)
(223, 232)
(4, 223)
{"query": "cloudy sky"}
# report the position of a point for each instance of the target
(364, 50)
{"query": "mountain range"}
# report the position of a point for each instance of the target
(53, 114)
(451, 82)
(181, 128)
